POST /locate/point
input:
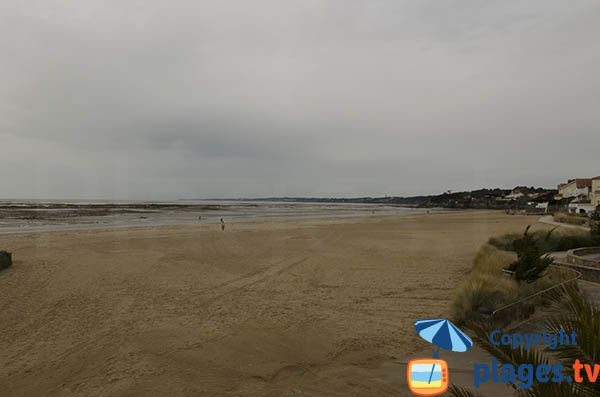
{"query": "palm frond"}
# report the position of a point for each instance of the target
(552, 389)
(577, 314)
(580, 315)
(583, 317)
(534, 356)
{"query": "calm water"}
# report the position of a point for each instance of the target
(20, 218)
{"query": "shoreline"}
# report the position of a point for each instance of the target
(350, 218)
(232, 215)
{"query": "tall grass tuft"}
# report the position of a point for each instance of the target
(490, 260)
(482, 291)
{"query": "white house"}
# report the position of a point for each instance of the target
(579, 188)
(514, 196)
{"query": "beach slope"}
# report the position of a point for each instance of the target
(310, 308)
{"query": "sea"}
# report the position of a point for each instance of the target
(24, 216)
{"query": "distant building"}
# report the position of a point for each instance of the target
(576, 188)
(595, 191)
(580, 193)
(514, 195)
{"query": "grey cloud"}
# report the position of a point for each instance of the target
(147, 99)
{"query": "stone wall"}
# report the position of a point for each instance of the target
(578, 257)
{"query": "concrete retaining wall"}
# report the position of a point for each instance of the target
(577, 257)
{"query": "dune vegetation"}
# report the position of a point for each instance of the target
(500, 277)
(489, 288)
(577, 219)
(561, 239)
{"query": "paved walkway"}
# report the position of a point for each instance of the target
(591, 290)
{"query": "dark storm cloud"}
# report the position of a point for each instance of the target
(155, 99)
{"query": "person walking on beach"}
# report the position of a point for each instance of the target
(222, 224)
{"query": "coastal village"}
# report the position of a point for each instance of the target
(578, 196)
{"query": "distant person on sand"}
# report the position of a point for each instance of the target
(222, 224)
(200, 218)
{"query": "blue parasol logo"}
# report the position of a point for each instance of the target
(443, 334)
(430, 377)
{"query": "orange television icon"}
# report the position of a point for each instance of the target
(427, 376)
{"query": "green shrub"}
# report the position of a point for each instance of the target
(573, 219)
(560, 240)
(568, 242)
(531, 263)
(595, 223)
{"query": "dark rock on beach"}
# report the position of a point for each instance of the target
(5, 260)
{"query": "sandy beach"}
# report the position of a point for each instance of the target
(287, 308)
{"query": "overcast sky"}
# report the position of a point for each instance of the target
(171, 99)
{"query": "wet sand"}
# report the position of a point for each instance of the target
(294, 308)
(42, 216)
